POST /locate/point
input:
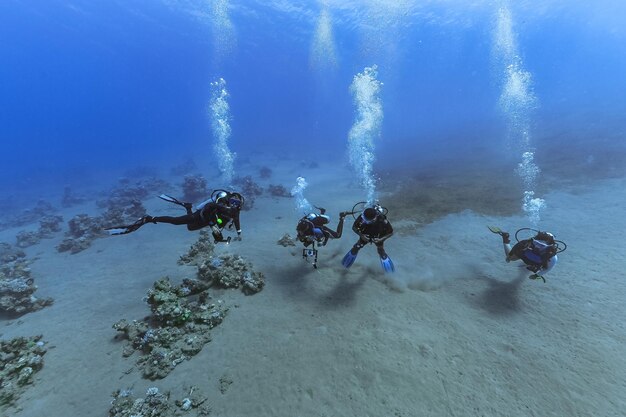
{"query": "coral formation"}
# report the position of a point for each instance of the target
(123, 214)
(286, 240)
(48, 225)
(25, 239)
(225, 271)
(41, 209)
(183, 315)
(278, 191)
(265, 172)
(83, 229)
(126, 194)
(194, 188)
(199, 251)
(177, 329)
(13, 217)
(231, 271)
(249, 189)
(185, 167)
(69, 198)
(20, 359)
(157, 404)
(16, 284)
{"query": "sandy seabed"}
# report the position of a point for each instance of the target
(454, 332)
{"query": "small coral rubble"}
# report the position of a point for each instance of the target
(286, 240)
(157, 404)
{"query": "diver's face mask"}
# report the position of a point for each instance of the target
(234, 202)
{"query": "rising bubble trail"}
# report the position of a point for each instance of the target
(516, 103)
(323, 51)
(365, 90)
(220, 123)
(302, 204)
(223, 31)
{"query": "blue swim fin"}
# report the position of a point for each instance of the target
(387, 265)
(349, 259)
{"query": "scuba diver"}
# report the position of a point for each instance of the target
(539, 253)
(219, 212)
(372, 226)
(312, 229)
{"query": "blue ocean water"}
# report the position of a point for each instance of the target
(102, 85)
(437, 105)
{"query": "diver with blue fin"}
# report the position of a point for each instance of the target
(312, 229)
(539, 252)
(219, 212)
(372, 226)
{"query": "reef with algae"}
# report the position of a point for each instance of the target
(177, 329)
(20, 359)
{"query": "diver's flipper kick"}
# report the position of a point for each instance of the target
(387, 264)
(171, 199)
(349, 259)
(123, 230)
(372, 226)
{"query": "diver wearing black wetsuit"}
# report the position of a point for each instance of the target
(312, 228)
(222, 211)
(372, 226)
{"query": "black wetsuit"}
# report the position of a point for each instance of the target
(215, 215)
(307, 230)
(377, 232)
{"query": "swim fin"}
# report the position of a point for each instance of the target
(495, 229)
(171, 199)
(123, 230)
(505, 235)
(349, 259)
(387, 264)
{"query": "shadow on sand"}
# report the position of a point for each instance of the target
(302, 282)
(501, 297)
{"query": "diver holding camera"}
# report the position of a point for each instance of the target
(312, 229)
